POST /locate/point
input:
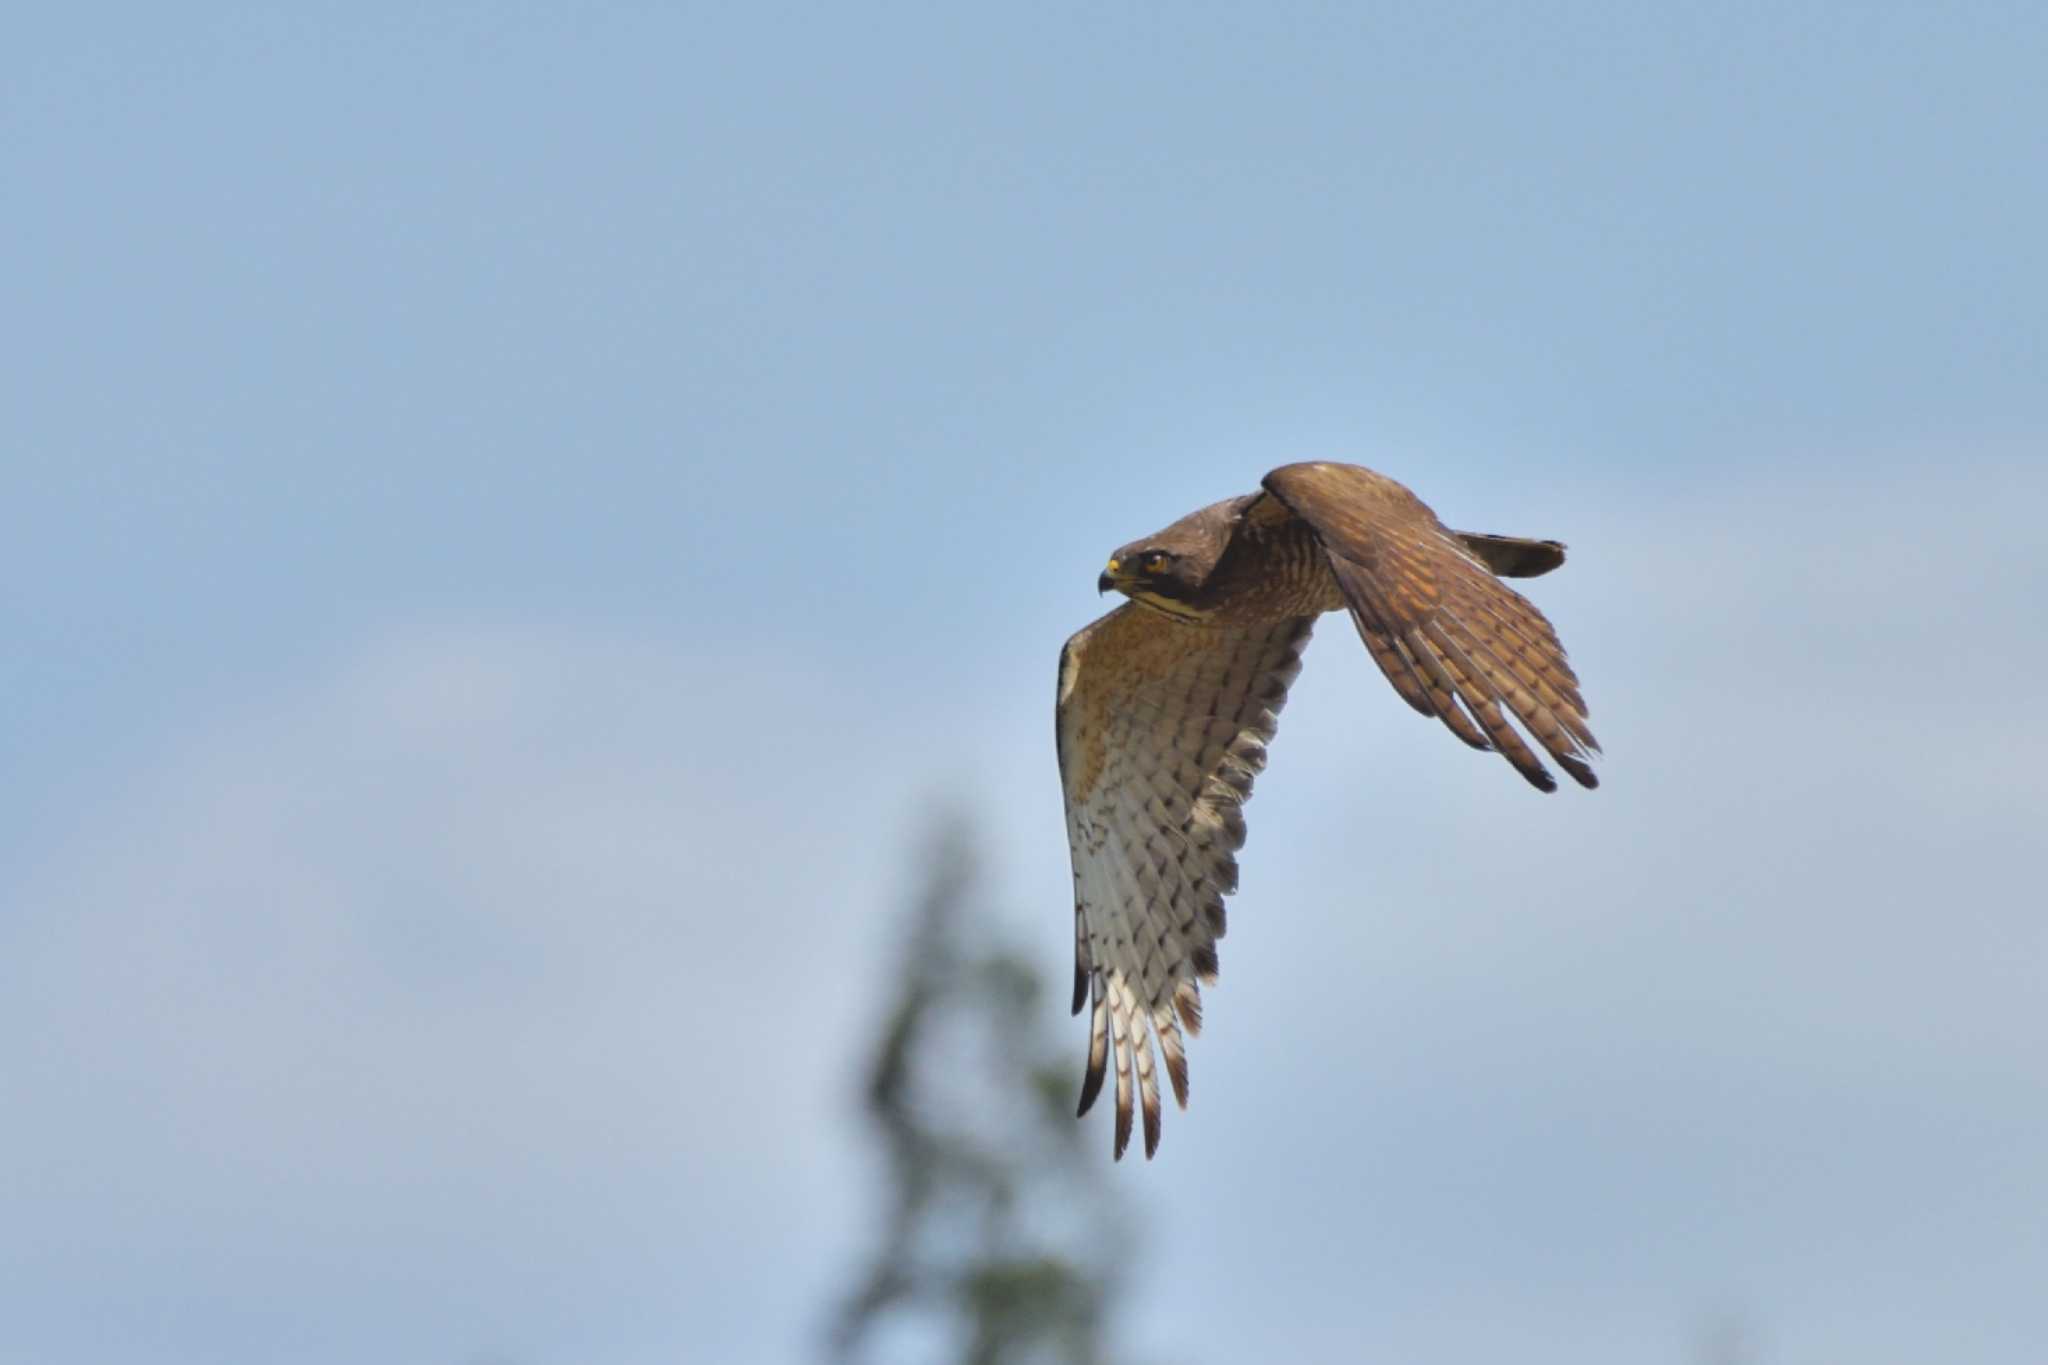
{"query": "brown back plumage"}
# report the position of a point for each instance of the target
(1455, 641)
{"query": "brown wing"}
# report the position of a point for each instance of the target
(1455, 641)
(1162, 726)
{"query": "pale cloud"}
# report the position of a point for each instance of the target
(495, 984)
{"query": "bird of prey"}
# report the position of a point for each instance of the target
(1166, 706)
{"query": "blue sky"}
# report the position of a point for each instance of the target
(510, 519)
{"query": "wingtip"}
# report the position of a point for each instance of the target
(1091, 1086)
(1176, 1061)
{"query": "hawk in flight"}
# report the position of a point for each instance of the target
(1166, 706)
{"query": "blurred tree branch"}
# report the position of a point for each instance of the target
(997, 1236)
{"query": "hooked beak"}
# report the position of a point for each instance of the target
(1109, 577)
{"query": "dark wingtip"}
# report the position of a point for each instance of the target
(1091, 1086)
(1581, 772)
(1514, 556)
(1177, 1076)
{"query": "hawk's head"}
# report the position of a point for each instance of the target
(1144, 567)
(1154, 576)
(1169, 569)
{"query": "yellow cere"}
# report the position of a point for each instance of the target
(1115, 565)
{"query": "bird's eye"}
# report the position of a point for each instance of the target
(1157, 562)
